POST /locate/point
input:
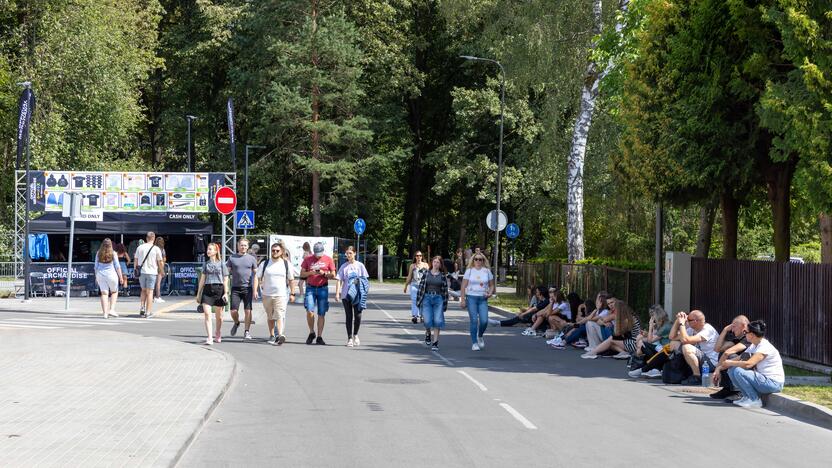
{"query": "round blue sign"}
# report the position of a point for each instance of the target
(359, 226)
(512, 231)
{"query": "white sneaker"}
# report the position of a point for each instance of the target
(494, 323)
(350, 343)
(635, 373)
(528, 332)
(356, 341)
(475, 347)
(589, 349)
(481, 342)
(158, 299)
(208, 342)
(653, 373)
(589, 356)
(247, 336)
(622, 355)
(749, 403)
(113, 313)
(740, 401)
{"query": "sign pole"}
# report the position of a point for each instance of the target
(73, 196)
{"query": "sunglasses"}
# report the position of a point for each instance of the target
(479, 259)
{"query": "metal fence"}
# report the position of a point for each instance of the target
(794, 299)
(10, 278)
(635, 287)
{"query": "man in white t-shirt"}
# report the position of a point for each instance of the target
(148, 258)
(697, 340)
(277, 278)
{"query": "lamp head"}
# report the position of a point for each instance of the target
(469, 57)
(25, 84)
(191, 117)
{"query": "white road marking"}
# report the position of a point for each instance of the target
(444, 360)
(474, 381)
(60, 321)
(528, 424)
(17, 325)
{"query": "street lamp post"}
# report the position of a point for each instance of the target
(245, 231)
(189, 118)
(499, 156)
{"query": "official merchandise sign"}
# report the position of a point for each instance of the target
(52, 277)
(225, 200)
(130, 192)
(294, 245)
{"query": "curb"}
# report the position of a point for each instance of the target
(231, 378)
(498, 310)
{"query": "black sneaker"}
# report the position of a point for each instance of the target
(320, 341)
(272, 339)
(234, 328)
(723, 393)
(421, 319)
(435, 346)
(280, 340)
(310, 338)
(414, 319)
(692, 380)
(427, 339)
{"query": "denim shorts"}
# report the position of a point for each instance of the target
(316, 299)
(147, 281)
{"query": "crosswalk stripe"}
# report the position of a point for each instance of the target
(60, 321)
(15, 325)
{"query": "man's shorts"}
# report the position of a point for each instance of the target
(275, 307)
(702, 358)
(317, 296)
(147, 281)
(243, 295)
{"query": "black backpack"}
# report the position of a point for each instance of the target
(676, 370)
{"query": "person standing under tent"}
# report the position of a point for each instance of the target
(433, 300)
(212, 292)
(477, 287)
(242, 267)
(157, 292)
(353, 284)
(149, 261)
(276, 278)
(414, 276)
(123, 261)
(108, 276)
(317, 270)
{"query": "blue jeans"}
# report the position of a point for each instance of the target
(316, 296)
(751, 383)
(478, 313)
(578, 334)
(606, 332)
(414, 293)
(432, 311)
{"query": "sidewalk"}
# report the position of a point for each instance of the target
(76, 397)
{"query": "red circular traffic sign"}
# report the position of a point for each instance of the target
(225, 200)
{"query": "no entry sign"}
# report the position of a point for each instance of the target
(225, 200)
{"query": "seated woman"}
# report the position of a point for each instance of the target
(579, 332)
(652, 342)
(626, 331)
(762, 373)
(540, 320)
(525, 314)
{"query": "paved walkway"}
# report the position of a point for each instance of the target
(77, 397)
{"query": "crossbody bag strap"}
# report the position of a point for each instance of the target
(145, 257)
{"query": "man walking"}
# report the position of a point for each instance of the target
(148, 260)
(278, 282)
(242, 267)
(317, 270)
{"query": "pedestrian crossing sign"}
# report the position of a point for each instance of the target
(245, 219)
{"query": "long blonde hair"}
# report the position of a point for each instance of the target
(105, 252)
(624, 317)
(216, 249)
(479, 255)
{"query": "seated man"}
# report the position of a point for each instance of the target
(697, 340)
(525, 315)
(540, 319)
(762, 373)
(730, 344)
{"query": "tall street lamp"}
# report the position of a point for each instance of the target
(189, 118)
(499, 156)
(246, 174)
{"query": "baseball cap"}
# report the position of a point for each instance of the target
(318, 249)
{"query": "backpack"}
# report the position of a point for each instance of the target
(676, 369)
(265, 264)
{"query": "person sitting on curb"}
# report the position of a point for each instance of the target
(652, 342)
(762, 373)
(696, 339)
(626, 330)
(731, 344)
(602, 327)
(577, 334)
(540, 320)
(525, 315)
(562, 314)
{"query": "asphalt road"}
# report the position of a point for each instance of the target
(393, 402)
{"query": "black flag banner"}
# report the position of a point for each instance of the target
(232, 141)
(24, 119)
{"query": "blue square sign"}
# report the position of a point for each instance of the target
(245, 219)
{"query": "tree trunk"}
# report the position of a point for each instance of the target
(825, 238)
(730, 219)
(316, 139)
(706, 228)
(779, 184)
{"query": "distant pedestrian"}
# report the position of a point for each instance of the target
(212, 292)
(317, 270)
(414, 276)
(477, 287)
(157, 292)
(432, 299)
(242, 267)
(353, 285)
(123, 261)
(307, 252)
(108, 276)
(277, 279)
(149, 266)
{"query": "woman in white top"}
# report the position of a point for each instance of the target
(417, 269)
(761, 373)
(108, 276)
(477, 287)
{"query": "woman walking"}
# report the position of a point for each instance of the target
(477, 287)
(157, 296)
(353, 284)
(432, 300)
(414, 276)
(213, 291)
(123, 261)
(108, 276)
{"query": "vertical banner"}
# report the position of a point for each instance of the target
(232, 140)
(24, 119)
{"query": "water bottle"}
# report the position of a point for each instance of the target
(706, 374)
